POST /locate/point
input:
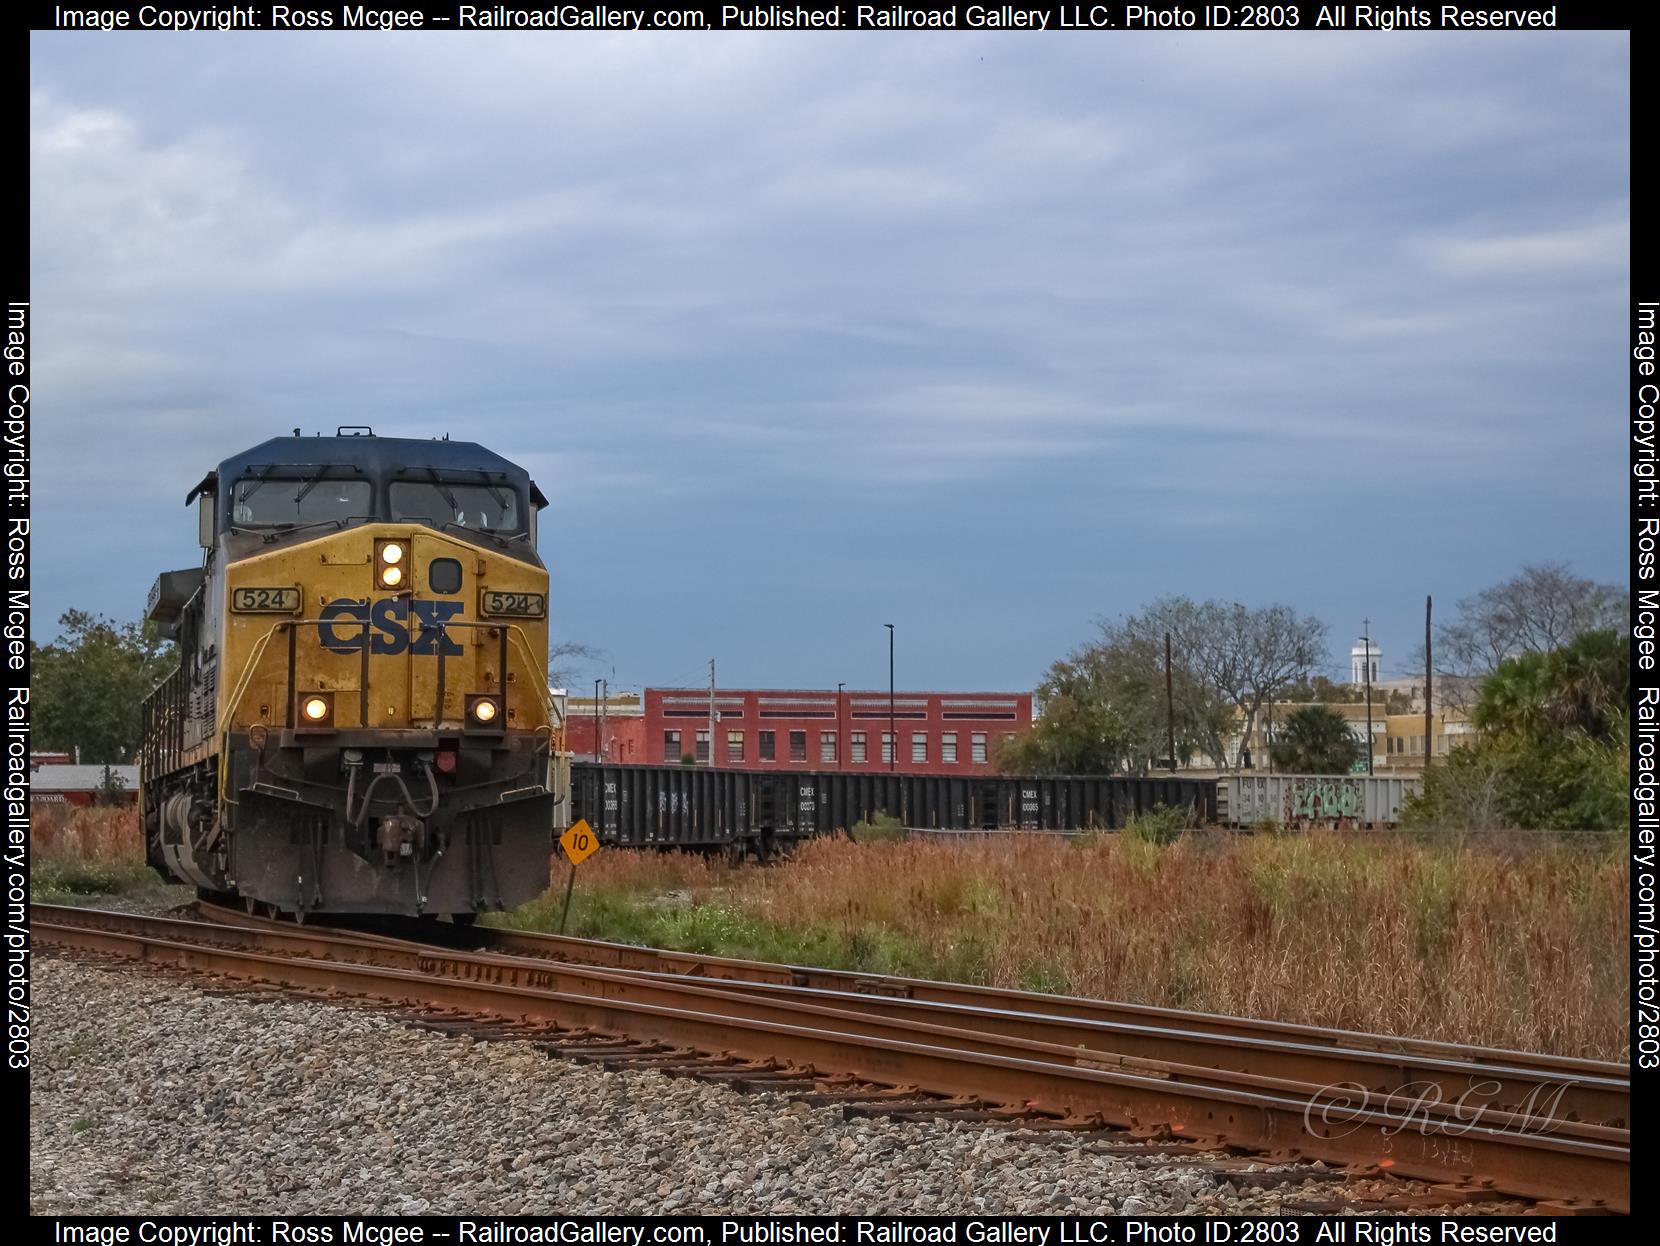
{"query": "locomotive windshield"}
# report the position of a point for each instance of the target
(479, 507)
(281, 501)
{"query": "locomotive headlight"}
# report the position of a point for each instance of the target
(483, 710)
(389, 557)
(316, 709)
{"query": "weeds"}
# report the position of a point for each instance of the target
(1509, 941)
(86, 852)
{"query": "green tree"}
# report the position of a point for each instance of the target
(1552, 750)
(1102, 710)
(1088, 723)
(1315, 740)
(85, 687)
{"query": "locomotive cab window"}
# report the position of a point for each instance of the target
(279, 501)
(487, 507)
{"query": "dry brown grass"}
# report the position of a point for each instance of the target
(1511, 941)
(92, 851)
(1515, 942)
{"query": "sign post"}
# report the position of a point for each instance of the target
(579, 843)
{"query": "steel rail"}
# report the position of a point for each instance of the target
(1318, 1074)
(906, 1054)
(1452, 1087)
(737, 971)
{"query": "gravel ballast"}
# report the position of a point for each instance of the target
(149, 1096)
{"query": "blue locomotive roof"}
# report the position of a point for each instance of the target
(379, 458)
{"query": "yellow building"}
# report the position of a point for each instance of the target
(1397, 739)
(1403, 747)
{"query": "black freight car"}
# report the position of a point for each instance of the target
(695, 807)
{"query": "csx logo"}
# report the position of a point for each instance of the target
(389, 631)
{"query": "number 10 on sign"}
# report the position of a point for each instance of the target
(579, 842)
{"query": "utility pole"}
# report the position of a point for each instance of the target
(893, 733)
(1169, 706)
(711, 713)
(1268, 736)
(604, 718)
(596, 720)
(1429, 676)
(839, 744)
(1366, 670)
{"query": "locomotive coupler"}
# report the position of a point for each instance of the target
(401, 837)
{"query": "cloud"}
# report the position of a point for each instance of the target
(1037, 301)
(1603, 246)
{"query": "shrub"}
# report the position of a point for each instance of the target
(1160, 825)
(877, 828)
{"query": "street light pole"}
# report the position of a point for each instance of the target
(893, 734)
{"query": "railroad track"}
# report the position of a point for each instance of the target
(1477, 1123)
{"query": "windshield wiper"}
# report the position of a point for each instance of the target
(312, 482)
(438, 484)
(497, 494)
(484, 532)
(283, 529)
(259, 482)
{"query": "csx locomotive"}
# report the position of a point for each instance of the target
(361, 720)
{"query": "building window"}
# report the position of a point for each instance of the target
(671, 747)
(769, 746)
(977, 748)
(858, 746)
(827, 746)
(798, 746)
(919, 746)
(948, 748)
(734, 746)
(887, 748)
(703, 748)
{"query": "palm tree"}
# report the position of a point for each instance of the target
(1315, 740)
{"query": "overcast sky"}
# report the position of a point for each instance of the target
(802, 334)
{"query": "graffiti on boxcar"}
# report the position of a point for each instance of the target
(1316, 799)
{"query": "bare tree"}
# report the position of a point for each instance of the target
(1543, 607)
(568, 658)
(1229, 655)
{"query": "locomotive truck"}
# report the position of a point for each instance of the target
(360, 721)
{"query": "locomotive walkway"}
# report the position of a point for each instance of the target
(1481, 1123)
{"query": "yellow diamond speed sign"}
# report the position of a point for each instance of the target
(579, 842)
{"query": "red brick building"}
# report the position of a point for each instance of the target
(809, 729)
(612, 729)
